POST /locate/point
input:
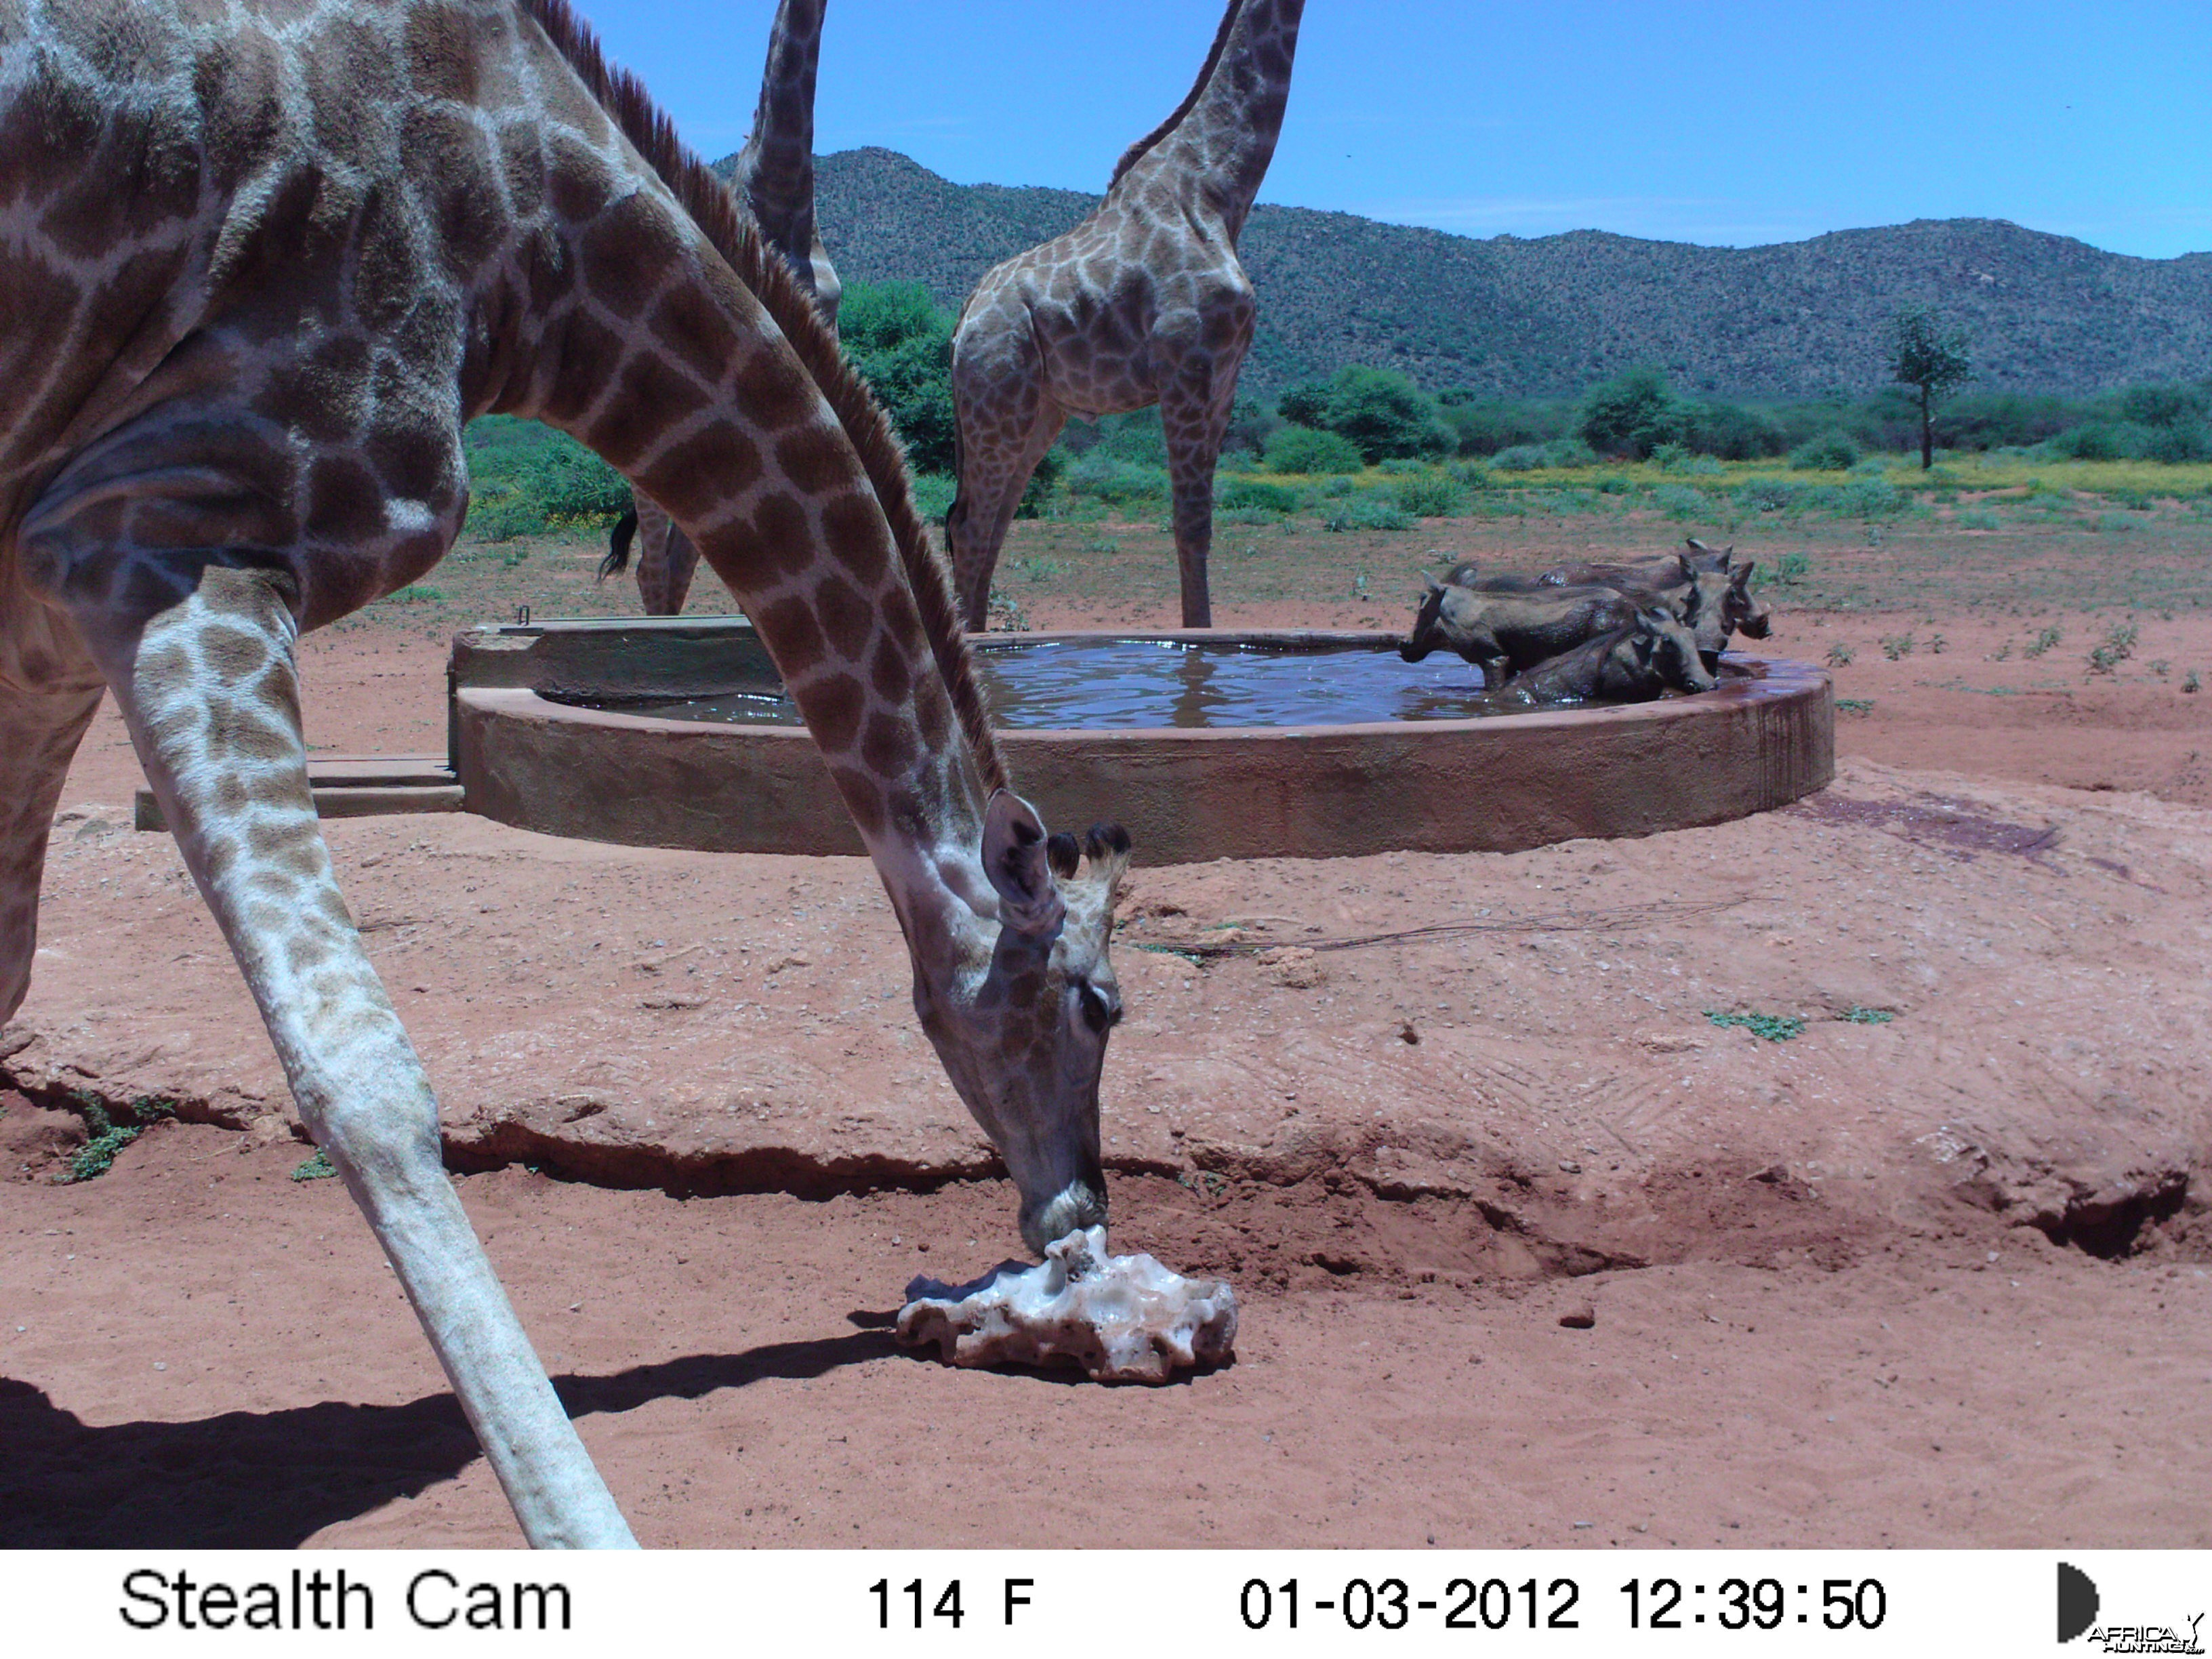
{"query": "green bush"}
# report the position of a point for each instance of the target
(1765, 495)
(1117, 482)
(1832, 450)
(934, 493)
(1679, 502)
(1483, 426)
(1631, 415)
(1368, 511)
(574, 485)
(499, 513)
(1978, 518)
(1379, 410)
(1255, 495)
(901, 340)
(1730, 431)
(1559, 452)
(1305, 449)
(1870, 498)
(1428, 496)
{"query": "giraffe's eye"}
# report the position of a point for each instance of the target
(1098, 1013)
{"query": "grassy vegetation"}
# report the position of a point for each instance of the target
(107, 1137)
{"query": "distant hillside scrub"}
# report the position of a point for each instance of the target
(1547, 317)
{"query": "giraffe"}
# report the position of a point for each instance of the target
(263, 260)
(1143, 302)
(775, 177)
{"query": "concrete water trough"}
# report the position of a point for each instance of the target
(546, 734)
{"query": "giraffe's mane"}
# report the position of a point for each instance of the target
(1136, 152)
(732, 232)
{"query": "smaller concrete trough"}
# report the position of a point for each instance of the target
(530, 752)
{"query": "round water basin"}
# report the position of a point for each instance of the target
(1207, 744)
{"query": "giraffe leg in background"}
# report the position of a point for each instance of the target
(210, 691)
(666, 562)
(39, 733)
(1005, 425)
(1195, 416)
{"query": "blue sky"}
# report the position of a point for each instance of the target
(1716, 121)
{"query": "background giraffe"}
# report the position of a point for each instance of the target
(775, 179)
(1143, 302)
(262, 263)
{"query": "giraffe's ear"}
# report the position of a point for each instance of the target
(1017, 858)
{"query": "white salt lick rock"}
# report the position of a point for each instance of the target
(1122, 1318)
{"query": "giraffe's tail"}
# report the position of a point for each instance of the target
(617, 559)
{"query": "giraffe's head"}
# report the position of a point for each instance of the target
(1022, 1022)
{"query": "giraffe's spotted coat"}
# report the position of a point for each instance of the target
(1144, 302)
(262, 259)
(775, 179)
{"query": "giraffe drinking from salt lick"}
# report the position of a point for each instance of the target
(775, 179)
(262, 260)
(1143, 302)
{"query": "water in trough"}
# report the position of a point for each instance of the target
(1062, 684)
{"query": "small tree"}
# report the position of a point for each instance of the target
(1921, 352)
(901, 340)
(1631, 415)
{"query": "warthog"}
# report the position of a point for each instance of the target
(1718, 604)
(1503, 633)
(1654, 653)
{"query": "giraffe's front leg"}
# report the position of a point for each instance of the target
(211, 694)
(666, 562)
(1194, 418)
(39, 733)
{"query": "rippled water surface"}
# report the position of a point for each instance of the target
(1053, 684)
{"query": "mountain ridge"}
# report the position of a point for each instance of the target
(1547, 316)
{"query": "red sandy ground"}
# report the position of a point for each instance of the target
(1820, 1316)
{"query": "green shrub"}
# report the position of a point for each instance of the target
(1296, 449)
(2113, 523)
(1429, 496)
(574, 485)
(1367, 511)
(934, 493)
(1765, 495)
(901, 340)
(1379, 410)
(1979, 518)
(1117, 482)
(1256, 495)
(1731, 431)
(1833, 451)
(1679, 502)
(501, 513)
(1775, 1028)
(1559, 452)
(1870, 498)
(1631, 415)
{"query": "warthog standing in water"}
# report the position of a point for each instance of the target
(1653, 654)
(1720, 605)
(1503, 633)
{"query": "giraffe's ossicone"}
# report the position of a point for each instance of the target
(260, 262)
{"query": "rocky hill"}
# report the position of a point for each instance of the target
(1548, 316)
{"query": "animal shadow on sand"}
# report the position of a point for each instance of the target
(272, 1479)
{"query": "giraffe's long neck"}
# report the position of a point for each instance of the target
(686, 355)
(776, 168)
(1226, 136)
